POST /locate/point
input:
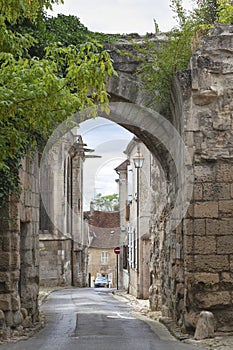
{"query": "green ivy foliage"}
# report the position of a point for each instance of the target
(42, 82)
(12, 10)
(161, 61)
(225, 11)
(66, 30)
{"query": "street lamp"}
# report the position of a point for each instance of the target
(138, 160)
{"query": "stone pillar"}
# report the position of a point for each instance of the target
(80, 241)
(29, 238)
(19, 242)
(208, 239)
(10, 264)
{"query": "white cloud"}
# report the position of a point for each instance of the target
(109, 141)
(121, 16)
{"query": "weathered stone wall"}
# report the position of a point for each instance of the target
(29, 237)
(63, 242)
(55, 261)
(206, 233)
(19, 264)
(157, 271)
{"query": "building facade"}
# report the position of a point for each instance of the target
(63, 240)
(135, 208)
(104, 236)
(122, 181)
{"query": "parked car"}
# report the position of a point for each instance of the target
(101, 281)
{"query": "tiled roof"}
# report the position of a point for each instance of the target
(103, 218)
(104, 229)
(122, 166)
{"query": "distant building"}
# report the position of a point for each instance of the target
(122, 171)
(63, 240)
(135, 261)
(104, 236)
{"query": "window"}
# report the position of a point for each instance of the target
(44, 222)
(104, 257)
(125, 257)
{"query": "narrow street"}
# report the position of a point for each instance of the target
(86, 319)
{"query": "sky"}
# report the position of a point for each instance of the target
(121, 16)
(109, 140)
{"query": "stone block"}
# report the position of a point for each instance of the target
(225, 319)
(213, 299)
(17, 318)
(219, 226)
(209, 192)
(14, 275)
(2, 321)
(225, 245)
(4, 277)
(206, 278)
(28, 258)
(205, 173)
(9, 318)
(188, 226)
(197, 192)
(205, 326)
(188, 245)
(206, 209)
(226, 208)
(222, 121)
(27, 322)
(5, 302)
(228, 83)
(232, 188)
(188, 138)
(204, 97)
(190, 319)
(224, 190)
(190, 211)
(15, 242)
(204, 245)
(231, 263)
(199, 227)
(224, 173)
(4, 262)
(6, 244)
(227, 68)
(27, 242)
(26, 214)
(211, 263)
(24, 312)
(226, 277)
(15, 261)
(214, 191)
(15, 303)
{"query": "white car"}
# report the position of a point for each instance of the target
(101, 281)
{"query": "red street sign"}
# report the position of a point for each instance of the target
(117, 250)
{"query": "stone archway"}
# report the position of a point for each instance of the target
(164, 142)
(195, 259)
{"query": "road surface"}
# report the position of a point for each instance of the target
(92, 319)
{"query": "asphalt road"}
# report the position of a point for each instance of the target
(92, 319)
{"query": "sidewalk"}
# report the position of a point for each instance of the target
(167, 329)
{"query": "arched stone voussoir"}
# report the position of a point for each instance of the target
(164, 142)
